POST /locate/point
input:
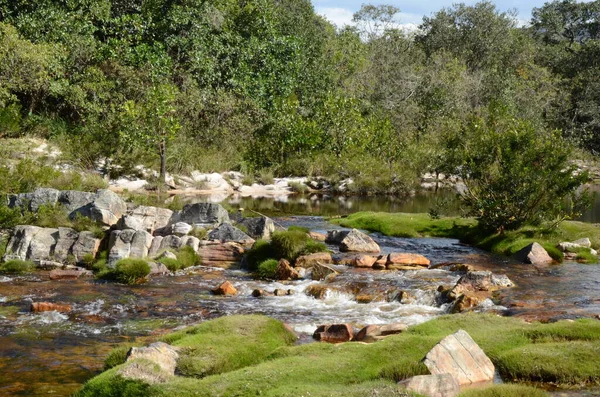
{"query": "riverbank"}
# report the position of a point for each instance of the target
(467, 231)
(563, 353)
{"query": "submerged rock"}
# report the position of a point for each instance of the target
(38, 307)
(460, 356)
(225, 289)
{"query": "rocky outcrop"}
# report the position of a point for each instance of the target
(352, 241)
(322, 272)
(223, 255)
(87, 244)
(374, 333)
(334, 333)
(259, 228)
(442, 385)
(107, 208)
(308, 261)
(225, 288)
(227, 233)
(153, 364)
(128, 244)
(202, 215)
(460, 356)
(404, 261)
(534, 254)
(150, 219)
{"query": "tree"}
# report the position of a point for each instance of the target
(514, 173)
(151, 122)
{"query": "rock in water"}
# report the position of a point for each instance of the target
(356, 241)
(308, 261)
(321, 272)
(460, 356)
(260, 227)
(225, 289)
(226, 233)
(534, 254)
(38, 307)
(334, 333)
(442, 385)
(405, 261)
(285, 271)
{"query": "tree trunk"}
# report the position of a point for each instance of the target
(163, 161)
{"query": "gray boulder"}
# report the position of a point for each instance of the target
(460, 356)
(352, 241)
(72, 200)
(534, 254)
(228, 233)
(190, 241)
(31, 243)
(32, 201)
(321, 272)
(119, 245)
(65, 240)
(181, 229)
(87, 244)
(259, 228)
(202, 215)
(150, 219)
(140, 244)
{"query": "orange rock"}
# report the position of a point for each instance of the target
(317, 236)
(285, 271)
(307, 261)
(59, 274)
(334, 333)
(38, 307)
(405, 261)
(225, 289)
(364, 261)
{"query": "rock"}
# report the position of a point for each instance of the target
(38, 307)
(227, 233)
(48, 265)
(59, 274)
(87, 244)
(356, 241)
(150, 219)
(335, 236)
(203, 215)
(308, 261)
(153, 364)
(477, 281)
(34, 200)
(373, 333)
(32, 243)
(501, 281)
(334, 333)
(107, 208)
(400, 296)
(65, 240)
(441, 385)
(469, 300)
(259, 228)
(167, 254)
(460, 356)
(160, 353)
(222, 255)
(158, 269)
(155, 246)
(285, 272)
(321, 272)
(583, 242)
(140, 244)
(366, 261)
(280, 292)
(534, 254)
(190, 241)
(225, 289)
(181, 229)
(168, 243)
(317, 236)
(119, 246)
(404, 261)
(317, 291)
(259, 293)
(72, 200)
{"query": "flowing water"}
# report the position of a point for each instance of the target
(53, 353)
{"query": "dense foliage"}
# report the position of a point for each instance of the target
(254, 85)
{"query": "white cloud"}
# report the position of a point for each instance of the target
(336, 15)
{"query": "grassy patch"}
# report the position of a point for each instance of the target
(17, 266)
(506, 390)
(584, 255)
(466, 229)
(130, 270)
(266, 269)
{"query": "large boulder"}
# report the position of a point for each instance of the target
(87, 244)
(534, 254)
(442, 385)
(223, 255)
(259, 228)
(203, 215)
(181, 229)
(308, 261)
(150, 219)
(285, 271)
(153, 364)
(31, 243)
(107, 208)
(140, 244)
(72, 200)
(460, 356)
(190, 241)
(321, 272)
(119, 245)
(405, 261)
(34, 200)
(227, 233)
(65, 240)
(352, 241)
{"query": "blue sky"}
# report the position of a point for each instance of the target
(412, 11)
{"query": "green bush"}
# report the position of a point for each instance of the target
(298, 229)
(188, 257)
(266, 176)
(260, 252)
(505, 390)
(171, 263)
(51, 215)
(199, 232)
(288, 244)
(266, 269)
(82, 223)
(72, 180)
(313, 246)
(17, 266)
(131, 271)
(11, 217)
(117, 356)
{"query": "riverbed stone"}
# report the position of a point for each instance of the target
(222, 255)
(357, 241)
(228, 233)
(308, 261)
(534, 254)
(322, 272)
(441, 385)
(334, 333)
(66, 274)
(259, 227)
(203, 215)
(38, 307)
(364, 261)
(226, 288)
(285, 271)
(406, 261)
(87, 244)
(317, 236)
(460, 356)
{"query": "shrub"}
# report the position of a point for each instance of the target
(266, 269)
(248, 179)
(17, 266)
(51, 215)
(298, 187)
(73, 180)
(171, 263)
(260, 252)
(10, 217)
(289, 244)
(514, 174)
(313, 246)
(188, 257)
(298, 229)
(131, 271)
(199, 232)
(82, 223)
(266, 177)
(117, 356)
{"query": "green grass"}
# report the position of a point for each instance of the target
(17, 266)
(506, 390)
(585, 256)
(465, 229)
(266, 269)
(229, 357)
(130, 270)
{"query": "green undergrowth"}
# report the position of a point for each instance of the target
(467, 230)
(288, 244)
(267, 269)
(17, 266)
(126, 271)
(506, 390)
(186, 257)
(251, 355)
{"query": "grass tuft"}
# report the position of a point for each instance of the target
(17, 266)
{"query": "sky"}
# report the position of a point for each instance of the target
(412, 11)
